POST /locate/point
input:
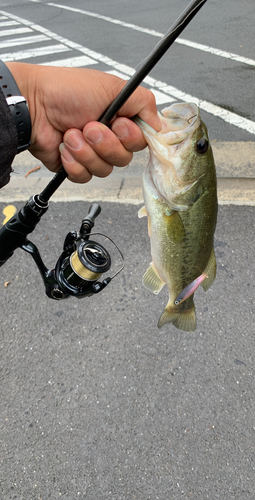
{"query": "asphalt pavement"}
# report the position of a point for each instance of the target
(97, 403)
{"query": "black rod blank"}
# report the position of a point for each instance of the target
(159, 50)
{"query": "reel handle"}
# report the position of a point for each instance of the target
(89, 221)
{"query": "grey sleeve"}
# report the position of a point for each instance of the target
(8, 141)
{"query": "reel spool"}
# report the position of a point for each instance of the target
(77, 272)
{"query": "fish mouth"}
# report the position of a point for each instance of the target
(179, 121)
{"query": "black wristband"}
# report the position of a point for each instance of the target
(18, 107)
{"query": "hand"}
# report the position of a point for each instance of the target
(64, 104)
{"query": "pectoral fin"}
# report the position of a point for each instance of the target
(142, 212)
(152, 280)
(175, 227)
(189, 195)
(210, 270)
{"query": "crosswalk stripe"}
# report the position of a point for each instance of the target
(23, 41)
(8, 23)
(72, 62)
(40, 51)
(16, 31)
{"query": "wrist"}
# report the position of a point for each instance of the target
(17, 102)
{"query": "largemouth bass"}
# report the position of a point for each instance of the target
(180, 196)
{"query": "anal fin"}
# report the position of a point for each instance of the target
(152, 280)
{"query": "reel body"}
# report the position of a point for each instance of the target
(81, 263)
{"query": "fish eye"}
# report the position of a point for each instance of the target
(202, 146)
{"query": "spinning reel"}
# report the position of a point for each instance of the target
(80, 265)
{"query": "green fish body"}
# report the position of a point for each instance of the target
(180, 196)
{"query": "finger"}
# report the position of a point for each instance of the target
(142, 103)
(78, 172)
(78, 154)
(129, 134)
(106, 144)
(75, 171)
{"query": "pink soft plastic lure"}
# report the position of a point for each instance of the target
(190, 289)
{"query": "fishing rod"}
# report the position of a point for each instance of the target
(159, 50)
(83, 261)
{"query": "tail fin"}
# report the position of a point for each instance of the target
(184, 319)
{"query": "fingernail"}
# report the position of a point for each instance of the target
(65, 153)
(120, 129)
(94, 135)
(74, 140)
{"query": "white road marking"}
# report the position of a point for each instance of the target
(40, 51)
(72, 62)
(188, 43)
(108, 19)
(23, 41)
(16, 31)
(217, 52)
(161, 98)
(118, 73)
(8, 23)
(227, 116)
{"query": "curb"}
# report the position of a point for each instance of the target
(235, 163)
(236, 191)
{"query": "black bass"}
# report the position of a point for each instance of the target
(180, 195)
